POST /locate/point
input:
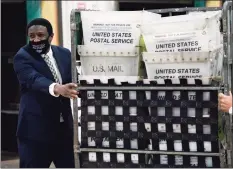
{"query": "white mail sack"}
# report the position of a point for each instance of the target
(109, 60)
(185, 33)
(121, 28)
(183, 65)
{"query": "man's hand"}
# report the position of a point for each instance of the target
(225, 102)
(67, 90)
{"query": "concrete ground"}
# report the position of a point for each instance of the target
(11, 160)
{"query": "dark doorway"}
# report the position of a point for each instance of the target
(14, 20)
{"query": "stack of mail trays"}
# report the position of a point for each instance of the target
(177, 47)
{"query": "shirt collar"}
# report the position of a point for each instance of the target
(50, 53)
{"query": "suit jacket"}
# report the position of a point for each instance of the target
(39, 113)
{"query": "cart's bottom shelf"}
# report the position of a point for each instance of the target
(129, 160)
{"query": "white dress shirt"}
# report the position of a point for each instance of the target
(230, 110)
(51, 87)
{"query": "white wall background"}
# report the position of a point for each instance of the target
(67, 6)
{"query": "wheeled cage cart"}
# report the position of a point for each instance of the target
(219, 154)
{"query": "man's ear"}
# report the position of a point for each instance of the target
(51, 37)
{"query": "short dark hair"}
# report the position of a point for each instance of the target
(42, 22)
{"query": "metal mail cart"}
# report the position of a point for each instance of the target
(221, 152)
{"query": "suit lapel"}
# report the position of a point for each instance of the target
(57, 57)
(40, 60)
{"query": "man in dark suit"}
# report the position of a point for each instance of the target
(45, 123)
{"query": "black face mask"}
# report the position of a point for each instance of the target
(40, 47)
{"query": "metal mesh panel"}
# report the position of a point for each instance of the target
(191, 136)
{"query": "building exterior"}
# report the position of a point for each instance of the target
(58, 13)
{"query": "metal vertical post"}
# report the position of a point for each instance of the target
(225, 46)
(227, 32)
(231, 57)
(73, 28)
